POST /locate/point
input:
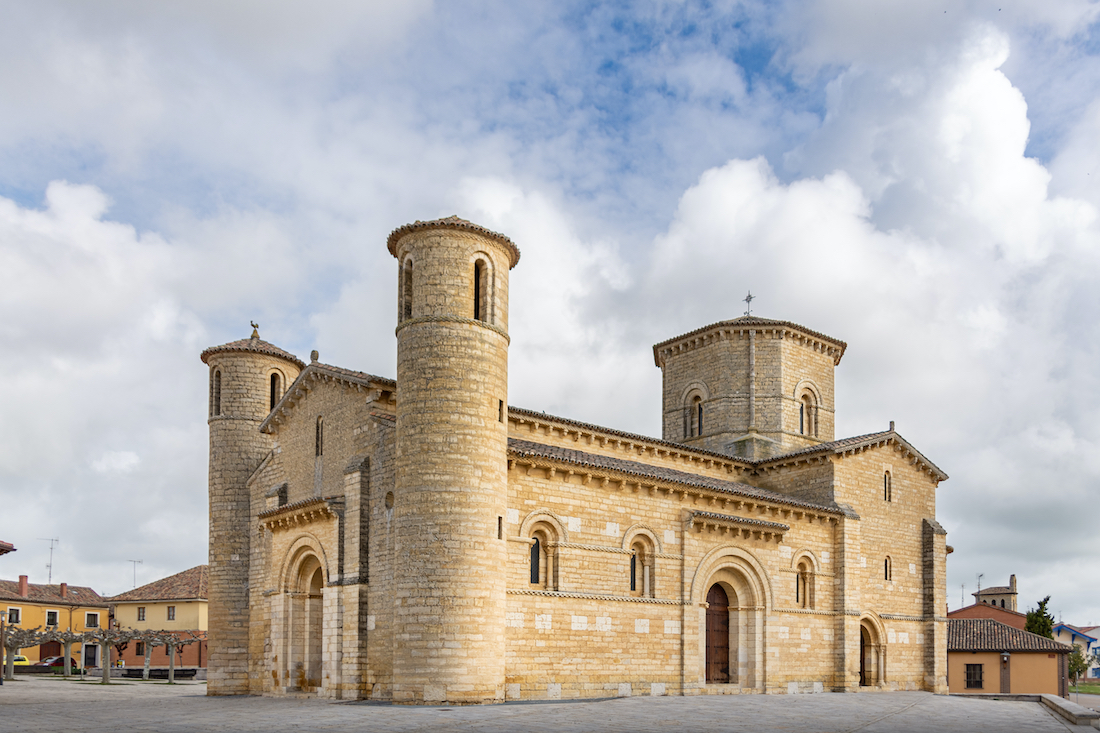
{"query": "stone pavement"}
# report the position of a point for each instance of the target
(55, 704)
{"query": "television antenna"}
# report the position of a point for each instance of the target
(49, 567)
(980, 576)
(136, 563)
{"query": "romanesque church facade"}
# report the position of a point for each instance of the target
(418, 540)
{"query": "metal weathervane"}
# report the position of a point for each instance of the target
(748, 303)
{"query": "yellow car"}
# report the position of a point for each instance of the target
(20, 661)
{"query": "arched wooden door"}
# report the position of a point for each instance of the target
(718, 635)
(863, 656)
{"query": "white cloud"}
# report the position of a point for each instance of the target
(116, 462)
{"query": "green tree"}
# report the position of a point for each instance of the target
(1039, 620)
(1078, 663)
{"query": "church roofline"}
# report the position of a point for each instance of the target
(854, 445)
(323, 372)
(453, 222)
(252, 345)
(827, 344)
(597, 463)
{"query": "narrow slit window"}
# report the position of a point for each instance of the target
(801, 419)
(216, 394)
(886, 569)
(887, 489)
(478, 269)
(536, 550)
(407, 290)
(276, 389)
(634, 572)
(500, 410)
(500, 528)
(320, 437)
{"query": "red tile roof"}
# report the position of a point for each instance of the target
(75, 595)
(6, 547)
(452, 222)
(188, 585)
(987, 635)
(256, 345)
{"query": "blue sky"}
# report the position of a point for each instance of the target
(918, 180)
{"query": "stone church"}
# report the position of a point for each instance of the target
(418, 540)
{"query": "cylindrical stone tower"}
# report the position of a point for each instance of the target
(451, 463)
(246, 378)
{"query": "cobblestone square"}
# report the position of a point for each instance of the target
(54, 704)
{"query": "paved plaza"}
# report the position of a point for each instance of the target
(60, 705)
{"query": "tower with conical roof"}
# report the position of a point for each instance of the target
(451, 486)
(247, 377)
(750, 387)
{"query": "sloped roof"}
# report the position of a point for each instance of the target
(6, 547)
(857, 444)
(188, 585)
(318, 370)
(1077, 630)
(987, 635)
(835, 347)
(255, 345)
(528, 449)
(452, 222)
(76, 595)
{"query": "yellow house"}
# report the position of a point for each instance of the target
(63, 606)
(176, 603)
(986, 656)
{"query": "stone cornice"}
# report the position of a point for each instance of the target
(456, 223)
(723, 330)
(302, 512)
(453, 319)
(746, 527)
(594, 597)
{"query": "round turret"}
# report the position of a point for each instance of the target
(247, 377)
(451, 461)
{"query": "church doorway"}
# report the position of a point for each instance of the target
(863, 647)
(306, 627)
(872, 656)
(718, 635)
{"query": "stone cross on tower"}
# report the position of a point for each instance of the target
(748, 303)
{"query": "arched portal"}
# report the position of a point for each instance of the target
(731, 577)
(718, 635)
(872, 655)
(305, 626)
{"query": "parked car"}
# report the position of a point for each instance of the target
(20, 661)
(56, 662)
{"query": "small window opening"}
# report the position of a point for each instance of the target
(319, 446)
(974, 677)
(536, 551)
(634, 572)
(141, 613)
(171, 613)
(807, 424)
(276, 389)
(1002, 603)
(500, 410)
(478, 313)
(695, 417)
(500, 528)
(407, 290)
(389, 500)
(887, 489)
(801, 419)
(887, 571)
(216, 394)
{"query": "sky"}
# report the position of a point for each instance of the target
(920, 180)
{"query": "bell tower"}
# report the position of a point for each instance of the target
(751, 387)
(246, 378)
(451, 461)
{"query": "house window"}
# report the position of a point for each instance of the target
(319, 444)
(1002, 603)
(91, 620)
(140, 650)
(887, 488)
(216, 393)
(51, 618)
(141, 613)
(15, 616)
(887, 569)
(171, 613)
(276, 389)
(974, 677)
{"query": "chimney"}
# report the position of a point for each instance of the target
(64, 590)
(23, 586)
(1012, 583)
